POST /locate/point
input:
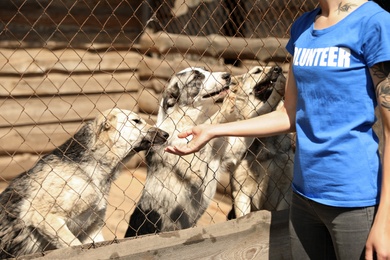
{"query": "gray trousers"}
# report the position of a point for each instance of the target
(318, 231)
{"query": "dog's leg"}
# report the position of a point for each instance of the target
(55, 230)
(240, 183)
(95, 237)
(249, 187)
(242, 204)
(98, 237)
(93, 233)
(92, 226)
(228, 112)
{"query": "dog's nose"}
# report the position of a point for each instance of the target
(161, 133)
(278, 69)
(157, 136)
(164, 134)
(226, 76)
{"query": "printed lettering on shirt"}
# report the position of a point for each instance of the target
(323, 57)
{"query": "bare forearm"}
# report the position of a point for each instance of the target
(273, 123)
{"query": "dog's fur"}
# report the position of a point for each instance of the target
(61, 201)
(260, 168)
(178, 189)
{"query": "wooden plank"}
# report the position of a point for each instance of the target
(41, 138)
(36, 139)
(258, 235)
(42, 61)
(60, 84)
(217, 46)
(92, 13)
(34, 111)
(12, 166)
(150, 68)
(72, 23)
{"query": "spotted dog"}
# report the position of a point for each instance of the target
(178, 189)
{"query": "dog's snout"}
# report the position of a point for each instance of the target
(158, 135)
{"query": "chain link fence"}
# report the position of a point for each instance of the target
(62, 63)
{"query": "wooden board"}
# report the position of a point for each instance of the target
(150, 68)
(217, 46)
(258, 235)
(64, 84)
(12, 166)
(34, 111)
(41, 61)
(37, 139)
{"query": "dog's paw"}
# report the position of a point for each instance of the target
(228, 111)
(229, 104)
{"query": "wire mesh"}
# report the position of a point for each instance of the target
(63, 63)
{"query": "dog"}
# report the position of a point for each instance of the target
(177, 189)
(62, 200)
(260, 169)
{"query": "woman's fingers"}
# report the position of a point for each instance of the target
(185, 134)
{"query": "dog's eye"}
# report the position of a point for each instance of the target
(257, 71)
(137, 121)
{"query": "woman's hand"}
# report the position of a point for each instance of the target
(201, 135)
(377, 246)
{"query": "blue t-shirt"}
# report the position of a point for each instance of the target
(337, 161)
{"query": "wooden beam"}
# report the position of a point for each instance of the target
(42, 61)
(216, 46)
(62, 84)
(258, 235)
(150, 68)
(43, 110)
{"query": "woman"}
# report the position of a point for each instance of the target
(339, 72)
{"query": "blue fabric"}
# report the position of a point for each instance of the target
(337, 161)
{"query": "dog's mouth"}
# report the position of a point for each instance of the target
(154, 137)
(264, 88)
(218, 95)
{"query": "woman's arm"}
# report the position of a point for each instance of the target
(378, 242)
(276, 122)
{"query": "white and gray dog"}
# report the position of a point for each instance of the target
(62, 200)
(178, 190)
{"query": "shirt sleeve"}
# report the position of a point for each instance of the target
(376, 39)
(300, 25)
(290, 47)
(293, 36)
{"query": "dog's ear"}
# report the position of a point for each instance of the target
(105, 123)
(255, 70)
